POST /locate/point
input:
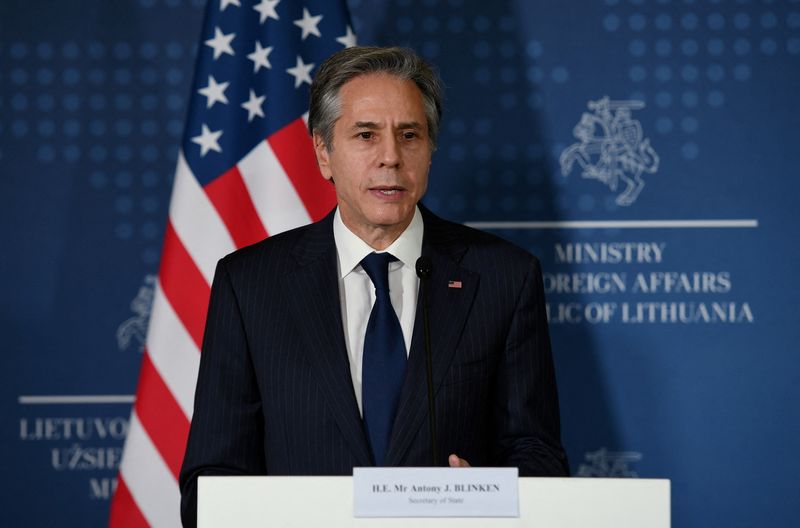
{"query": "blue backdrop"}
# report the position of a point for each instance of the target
(644, 149)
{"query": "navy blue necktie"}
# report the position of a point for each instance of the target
(384, 361)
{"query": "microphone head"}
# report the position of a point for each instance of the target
(424, 267)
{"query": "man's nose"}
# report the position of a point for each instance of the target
(390, 152)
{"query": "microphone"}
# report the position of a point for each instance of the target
(424, 270)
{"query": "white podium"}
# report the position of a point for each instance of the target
(302, 502)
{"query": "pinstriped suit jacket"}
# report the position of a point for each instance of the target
(274, 394)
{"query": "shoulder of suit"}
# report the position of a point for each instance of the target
(273, 251)
(478, 243)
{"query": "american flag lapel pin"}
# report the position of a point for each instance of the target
(454, 284)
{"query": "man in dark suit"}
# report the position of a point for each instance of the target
(314, 359)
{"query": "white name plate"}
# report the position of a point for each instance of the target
(435, 492)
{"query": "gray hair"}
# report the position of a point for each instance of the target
(325, 106)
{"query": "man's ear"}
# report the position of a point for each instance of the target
(323, 156)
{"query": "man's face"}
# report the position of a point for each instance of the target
(380, 155)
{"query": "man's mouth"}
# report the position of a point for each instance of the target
(387, 191)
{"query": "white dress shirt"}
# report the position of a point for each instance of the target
(357, 293)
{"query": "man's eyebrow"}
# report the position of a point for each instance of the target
(412, 124)
(371, 125)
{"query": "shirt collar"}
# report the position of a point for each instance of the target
(351, 249)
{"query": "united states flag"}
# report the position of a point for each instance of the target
(246, 171)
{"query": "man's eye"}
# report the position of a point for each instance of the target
(409, 135)
(366, 135)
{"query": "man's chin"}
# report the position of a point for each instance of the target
(393, 214)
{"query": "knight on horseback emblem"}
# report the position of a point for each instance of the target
(611, 147)
(133, 331)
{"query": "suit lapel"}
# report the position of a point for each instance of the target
(448, 309)
(312, 291)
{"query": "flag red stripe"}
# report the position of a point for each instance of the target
(184, 286)
(230, 197)
(295, 152)
(161, 417)
(124, 511)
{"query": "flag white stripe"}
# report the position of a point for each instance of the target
(173, 352)
(150, 482)
(278, 205)
(197, 222)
